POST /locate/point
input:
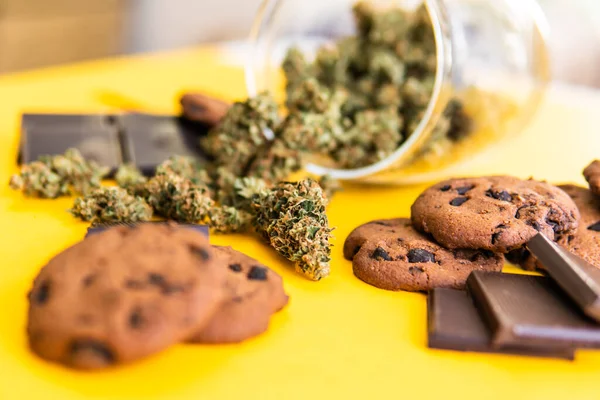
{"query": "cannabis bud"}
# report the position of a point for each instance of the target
(130, 178)
(291, 217)
(233, 142)
(176, 197)
(111, 204)
(60, 175)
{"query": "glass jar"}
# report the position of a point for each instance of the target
(491, 55)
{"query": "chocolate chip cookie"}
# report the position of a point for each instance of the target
(592, 175)
(253, 294)
(585, 242)
(124, 294)
(497, 213)
(391, 254)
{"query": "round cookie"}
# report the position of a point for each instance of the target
(253, 294)
(392, 255)
(497, 213)
(585, 242)
(592, 175)
(123, 294)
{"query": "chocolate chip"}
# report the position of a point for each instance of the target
(90, 346)
(85, 319)
(257, 273)
(383, 223)
(458, 201)
(88, 280)
(420, 256)
(415, 270)
(498, 194)
(356, 250)
(237, 299)
(495, 237)
(42, 295)
(136, 320)
(235, 267)
(445, 188)
(133, 284)
(201, 252)
(464, 189)
(535, 225)
(554, 225)
(380, 254)
(168, 289)
(594, 227)
(156, 279)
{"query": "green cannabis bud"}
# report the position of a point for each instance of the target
(291, 217)
(59, 175)
(130, 178)
(176, 197)
(111, 204)
(233, 142)
(38, 180)
(188, 167)
(338, 104)
(229, 219)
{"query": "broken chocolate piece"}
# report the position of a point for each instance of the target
(454, 324)
(528, 310)
(578, 278)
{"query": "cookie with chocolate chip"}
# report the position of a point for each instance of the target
(592, 175)
(124, 294)
(392, 255)
(496, 213)
(585, 242)
(253, 294)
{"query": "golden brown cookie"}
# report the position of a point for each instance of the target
(585, 242)
(592, 175)
(391, 254)
(496, 213)
(253, 294)
(124, 294)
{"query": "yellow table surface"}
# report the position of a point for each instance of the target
(339, 338)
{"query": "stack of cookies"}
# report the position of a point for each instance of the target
(127, 293)
(463, 225)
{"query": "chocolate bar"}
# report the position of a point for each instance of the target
(527, 310)
(149, 139)
(578, 278)
(94, 135)
(454, 324)
(102, 227)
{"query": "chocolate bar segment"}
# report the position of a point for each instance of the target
(148, 140)
(454, 324)
(525, 310)
(578, 278)
(102, 227)
(94, 135)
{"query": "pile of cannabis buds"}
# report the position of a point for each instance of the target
(356, 103)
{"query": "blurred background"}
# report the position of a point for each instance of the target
(38, 33)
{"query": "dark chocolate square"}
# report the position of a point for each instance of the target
(454, 324)
(150, 139)
(95, 136)
(530, 310)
